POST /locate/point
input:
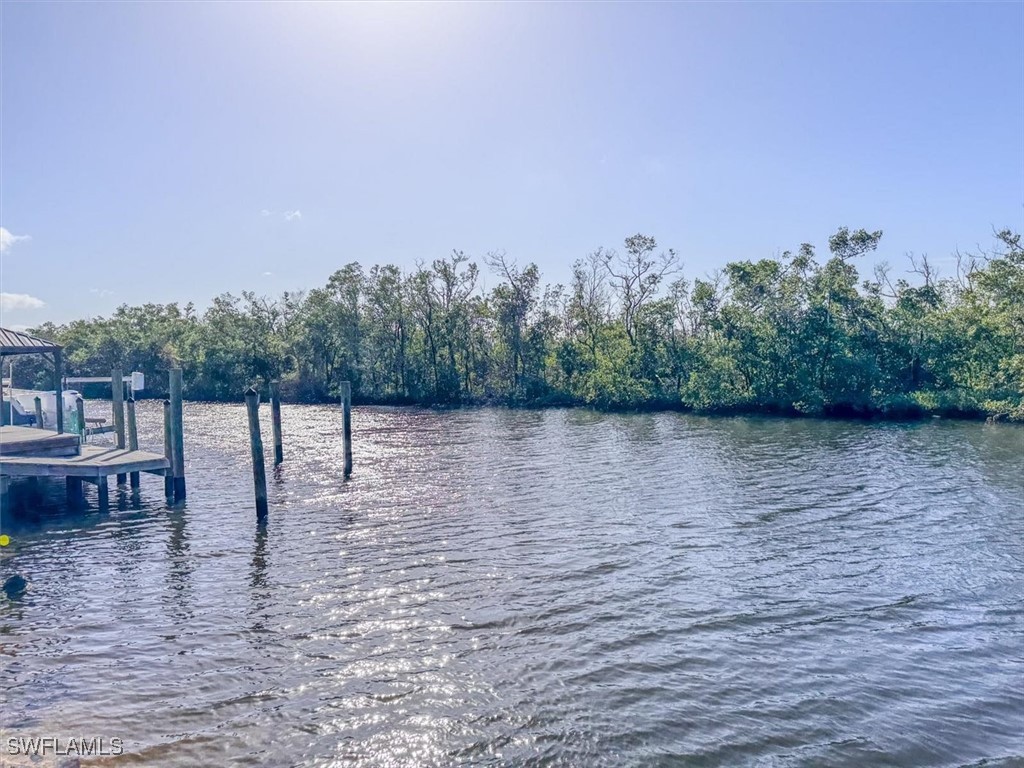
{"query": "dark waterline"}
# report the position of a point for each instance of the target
(554, 587)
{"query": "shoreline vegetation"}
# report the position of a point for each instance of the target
(794, 335)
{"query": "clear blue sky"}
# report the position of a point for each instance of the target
(159, 152)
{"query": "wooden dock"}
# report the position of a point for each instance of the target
(27, 452)
(27, 441)
(93, 462)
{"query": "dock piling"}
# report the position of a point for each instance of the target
(346, 424)
(117, 402)
(103, 493)
(80, 410)
(168, 451)
(58, 386)
(133, 440)
(73, 489)
(39, 412)
(177, 435)
(275, 413)
(259, 471)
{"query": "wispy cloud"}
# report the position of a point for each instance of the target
(268, 274)
(101, 291)
(286, 215)
(7, 239)
(12, 302)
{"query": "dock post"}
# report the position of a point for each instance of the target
(80, 410)
(73, 489)
(117, 401)
(346, 424)
(39, 412)
(58, 386)
(5, 494)
(275, 413)
(259, 471)
(168, 451)
(177, 435)
(133, 440)
(103, 492)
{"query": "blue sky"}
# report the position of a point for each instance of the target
(171, 152)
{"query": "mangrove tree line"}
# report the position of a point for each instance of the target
(793, 334)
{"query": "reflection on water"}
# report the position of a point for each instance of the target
(539, 588)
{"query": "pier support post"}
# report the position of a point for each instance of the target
(73, 489)
(39, 412)
(346, 424)
(117, 401)
(275, 414)
(103, 493)
(177, 436)
(80, 410)
(5, 494)
(133, 440)
(259, 471)
(168, 452)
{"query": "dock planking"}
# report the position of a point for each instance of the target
(92, 462)
(21, 441)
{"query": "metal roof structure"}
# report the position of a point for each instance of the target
(18, 343)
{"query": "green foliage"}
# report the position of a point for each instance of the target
(787, 335)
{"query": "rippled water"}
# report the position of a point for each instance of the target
(538, 588)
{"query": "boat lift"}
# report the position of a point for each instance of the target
(21, 403)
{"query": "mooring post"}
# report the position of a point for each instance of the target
(117, 401)
(39, 412)
(275, 414)
(177, 435)
(103, 492)
(73, 490)
(259, 470)
(133, 440)
(80, 410)
(346, 424)
(58, 386)
(168, 451)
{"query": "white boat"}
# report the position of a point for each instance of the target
(22, 405)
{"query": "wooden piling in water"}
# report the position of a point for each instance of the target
(73, 490)
(168, 451)
(80, 410)
(58, 386)
(259, 471)
(39, 412)
(133, 440)
(177, 435)
(117, 401)
(346, 424)
(275, 414)
(103, 492)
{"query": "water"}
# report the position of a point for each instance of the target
(538, 588)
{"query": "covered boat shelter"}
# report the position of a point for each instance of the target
(14, 343)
